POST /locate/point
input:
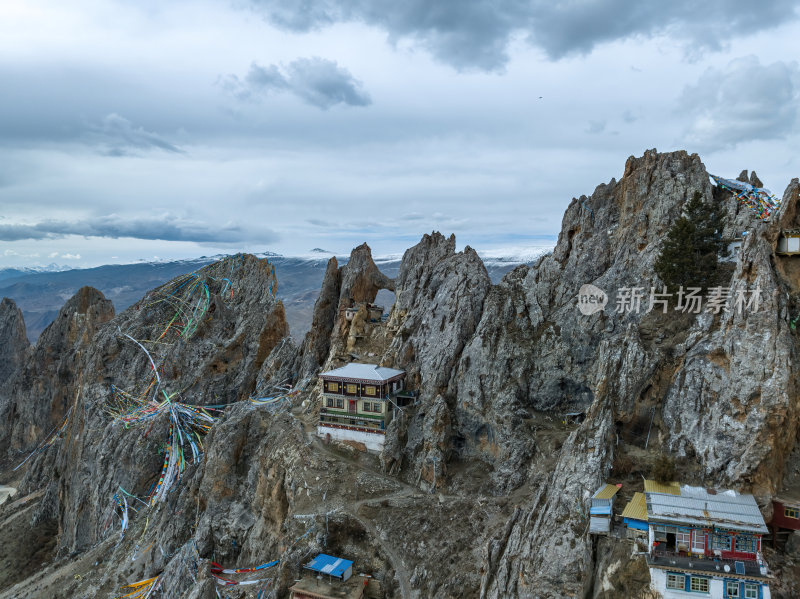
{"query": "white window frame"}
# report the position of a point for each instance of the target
(683, 537)
(674, 578)
(732, 589)
(697, 534)
(751, 587)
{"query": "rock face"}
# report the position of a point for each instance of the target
(42, 389)
(482, 489)
(205, 356)
(13, 341)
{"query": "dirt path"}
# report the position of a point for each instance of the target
(352, 509)
(400, 569)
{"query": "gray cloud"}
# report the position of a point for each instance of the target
(745, 101)
(317, 81)
(596, 127)
(119, 137)
(471, 34)
(165, 228)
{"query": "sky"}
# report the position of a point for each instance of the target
(159, 130)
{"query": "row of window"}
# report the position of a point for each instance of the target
(791, 512)
(352, 389)
(677, 582)
(748, 590)
(741, 543)
(683, 539)
(368, 406)
(700, 584)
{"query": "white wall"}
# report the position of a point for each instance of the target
(373, 441)
(716, 587)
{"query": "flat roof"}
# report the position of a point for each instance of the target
(651, 486)
(606, 492)
(363, 372)
(696, 506)
(328, 564)
(636, 508)
(749, 570)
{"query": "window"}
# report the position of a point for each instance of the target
(750, 590)
(340, 403)
(731, 588)
(682, 539)
(721, 541)
(333, 387)
(675, 582)
(699, 542)
(791, 512)
(330, 403)
(745, 544)
(698, 585)
(370, 390)
(351, 389)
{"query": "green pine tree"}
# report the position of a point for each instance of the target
(690, 254)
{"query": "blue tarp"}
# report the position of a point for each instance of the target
(328, 564)
(637, 524)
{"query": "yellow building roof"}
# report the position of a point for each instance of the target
(651, 486)
(636, 508)
(606, 492)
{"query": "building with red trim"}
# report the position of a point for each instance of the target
(706, 541)
(357, 403)
(786, 511)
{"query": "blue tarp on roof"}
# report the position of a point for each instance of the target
(328, 564)
(600, 510)
(637, 524)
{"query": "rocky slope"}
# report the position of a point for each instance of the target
(481, 490)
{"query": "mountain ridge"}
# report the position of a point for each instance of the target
(482, 488)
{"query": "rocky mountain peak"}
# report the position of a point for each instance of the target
(524, 406)
(13, 340)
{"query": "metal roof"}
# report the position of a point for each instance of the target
(328, 564)
(636, 508)
(600, 510)
(364, 372)
(695, 506)
(606, 492)
(651, 486)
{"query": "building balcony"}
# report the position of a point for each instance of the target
(671, 560)
(340, 413)
(351, 427)
(353, 422)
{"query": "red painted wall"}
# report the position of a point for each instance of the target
(781, 521)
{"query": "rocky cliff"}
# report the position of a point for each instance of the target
(482, 488)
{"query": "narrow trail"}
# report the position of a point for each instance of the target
(352, 509)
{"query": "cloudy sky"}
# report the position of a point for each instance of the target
(135, 130)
